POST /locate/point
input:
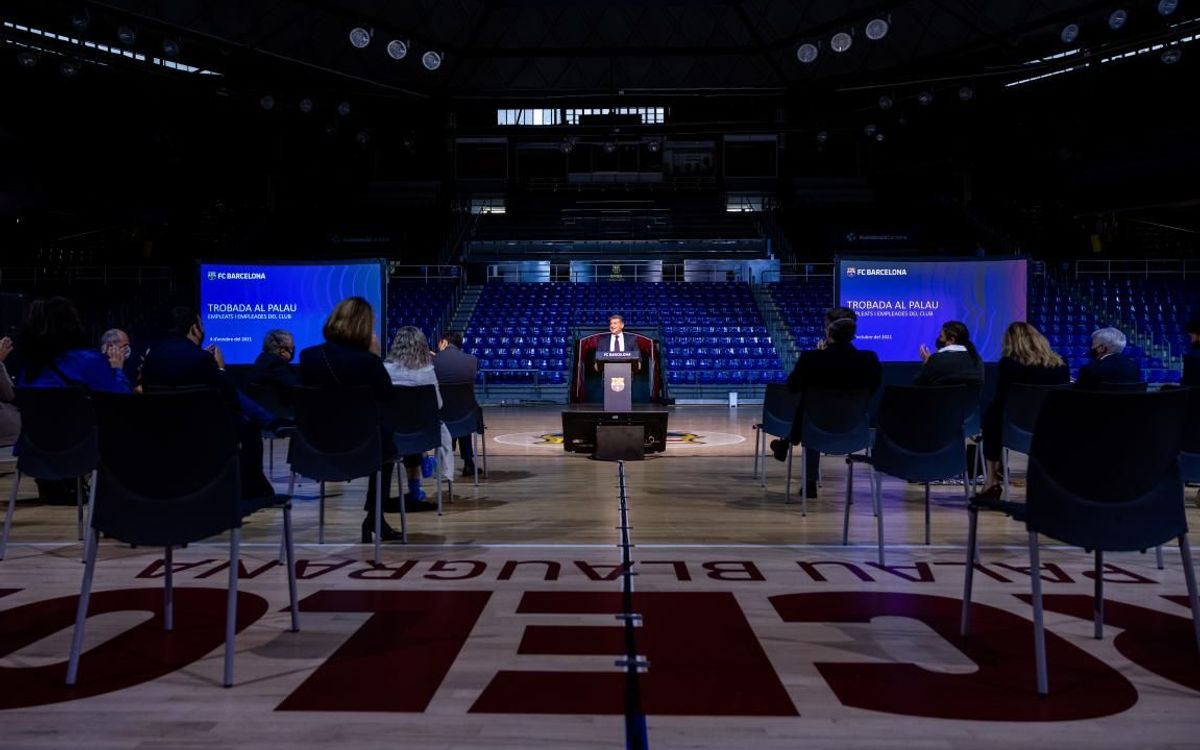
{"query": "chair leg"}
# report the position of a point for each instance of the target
(483, 451)
(321, 515)
(804, 479)
(756, 438)
(85, 593)
(379, 510)
(437, 473)
(849, 501)
(287, 518)
(79, 508)
(91, 513)
(878, 501)
(762, 476)
(474, 464)
(8, 516)
(967, 487)
(1004, 469)
(1189, 575)
(1158, 557)
(270, 459)
(291, 565)
(1039, 632)
(969, 574)
(927, 512)
(168, 589)
(1098, 598)
(235, 538)
(403, 513)
(787, 492)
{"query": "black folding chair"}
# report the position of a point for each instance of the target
(834, 423)
(57, 442)
(779, 411)
(412, 418)
(168, 476)
(269, 398)
(463, 417)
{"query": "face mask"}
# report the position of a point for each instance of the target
(941, 343)
(1093, 354)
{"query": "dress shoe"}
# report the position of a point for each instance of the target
(468, 469)
(386, 532)
(991, 494)
(413, 505)
(810, 490)
(780, 449)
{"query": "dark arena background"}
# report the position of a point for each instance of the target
(597, 572)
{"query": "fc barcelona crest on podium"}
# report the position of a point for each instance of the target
(618, 385)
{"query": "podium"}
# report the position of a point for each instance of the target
(618, 378)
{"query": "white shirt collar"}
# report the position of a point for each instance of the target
(952, 348)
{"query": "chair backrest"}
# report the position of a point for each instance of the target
(168, 471)
(461, 413)
(412, 418)
(835, 420)
(1189, 447)
(1138, 387)
(58, 433)
(269, 397)
(920, 432)
(779, 409)
(337, 435)
(1104, 469)
(1021, 409)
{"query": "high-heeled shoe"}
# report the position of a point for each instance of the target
(386, 532)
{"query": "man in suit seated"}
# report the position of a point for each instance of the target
(178, 361)
(453, 366)
(835, 363)
(272, 368)
(1109, 364)
(954, 362)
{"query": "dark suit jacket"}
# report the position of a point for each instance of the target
(951, 368)
(1191, 367)
(176, 362)
(334, 364)
(453, 365)
(835, 366)
(268, 369)
(1115, 368)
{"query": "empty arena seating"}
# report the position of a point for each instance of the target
(428, 305)
(710, 332)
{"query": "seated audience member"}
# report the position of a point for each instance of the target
(1191, 360)
(1026, 358)
(410, 363)
(133, 364)
(272, 368)
(178, 361)
(956, 362)
(1108, 364)
(57, 354)
(10, 418)
(453, 366)
(350, 358)
(835, 363)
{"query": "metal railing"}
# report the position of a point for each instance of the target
(1145, 268)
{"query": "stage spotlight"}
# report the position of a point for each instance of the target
(567, 146)
(27, 59)
(1171, 56)
(841, 41)
(886, 102)
(267, 102)
(870, 128)
(431, 60)
(610, 147)
(126, 35)
(1166, 7)
(879, 137)
(68, 68)
(822, 136)
(343, 108)
(966, 94)
(925, 98)
(81, 20)
(362, 137)
(360, 37)
(306, 105)
(902, 121)
(807, 53)
(170, 47)
(397, 50)
(1117, 19)
(1069, 33)
(654, 145)
(877, 28)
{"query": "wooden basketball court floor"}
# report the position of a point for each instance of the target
(495, 626)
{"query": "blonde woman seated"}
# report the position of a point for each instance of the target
(410, 363)
(1025, 357)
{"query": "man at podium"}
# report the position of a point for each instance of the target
(618, 341)
(630, 350)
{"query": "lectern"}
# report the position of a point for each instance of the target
(618, 378)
